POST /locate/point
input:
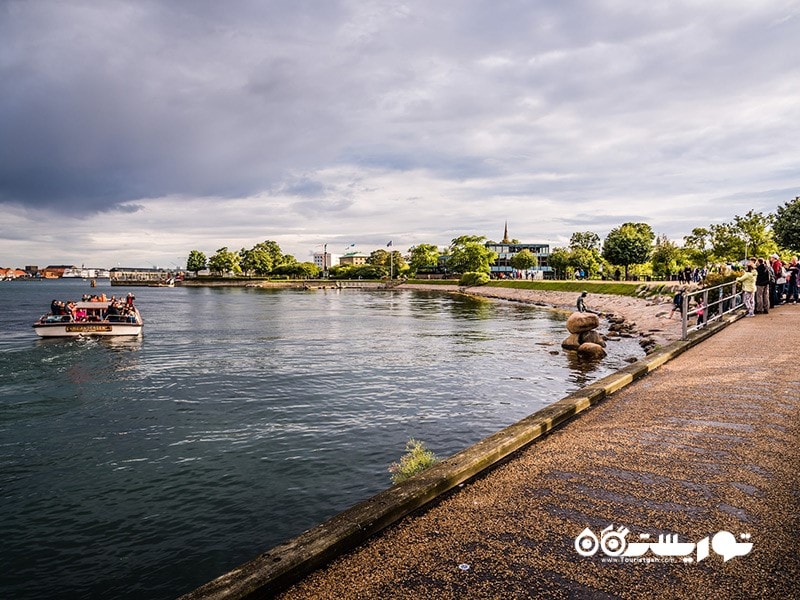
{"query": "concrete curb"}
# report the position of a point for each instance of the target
(278, 568)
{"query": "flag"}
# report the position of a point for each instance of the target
(389, 244)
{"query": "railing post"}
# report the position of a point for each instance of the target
(685, 317)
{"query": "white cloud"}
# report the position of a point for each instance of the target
(321, 122)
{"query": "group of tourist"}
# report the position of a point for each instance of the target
(119, 310)
(766, 283)
(689, 275)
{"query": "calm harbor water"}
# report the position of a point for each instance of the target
(144, 468)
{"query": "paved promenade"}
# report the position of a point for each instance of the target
(708, 443)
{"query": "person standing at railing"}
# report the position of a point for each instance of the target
(748, 281)
(700, 311)
(762, 286)
(793, 277)
(780, 279)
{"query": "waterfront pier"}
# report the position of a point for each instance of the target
(696, 462)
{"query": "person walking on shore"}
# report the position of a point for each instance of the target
(748, 281)
(677, 303)
(762, 286)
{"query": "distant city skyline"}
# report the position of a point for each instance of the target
(134, 132)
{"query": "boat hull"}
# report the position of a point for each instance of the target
(87, 329)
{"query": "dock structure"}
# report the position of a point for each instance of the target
(683, 484)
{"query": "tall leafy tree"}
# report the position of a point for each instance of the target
(629, 244)
(786, 225)
(585, 239)
(756, 230)
(726, 241)
(697, 246)
(469, 253)
(393, 261)
(292, 268)
(558, 260)
(588, 260)
(749, 235)
(666, 257)
(224, 261)
(585, 252)
(424, 255)
(196, 261)
(262, 258)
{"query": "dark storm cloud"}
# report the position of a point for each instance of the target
(108, 102)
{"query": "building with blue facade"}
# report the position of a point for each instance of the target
(506, 250)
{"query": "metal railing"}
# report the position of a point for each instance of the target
(717, 302)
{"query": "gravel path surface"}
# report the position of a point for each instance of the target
(707, 443)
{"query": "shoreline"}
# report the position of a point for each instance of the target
(645, 318)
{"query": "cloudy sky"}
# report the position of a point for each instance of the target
(132, 132)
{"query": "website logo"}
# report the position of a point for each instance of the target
(616, 548)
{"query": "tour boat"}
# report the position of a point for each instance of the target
(90, 319)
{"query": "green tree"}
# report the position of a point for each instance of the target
(750, 234)
(665, 258)
(786, 225)
(756, 230)
(196, 261)
(697, 246)
(262, 258)
(585, 252)
(629, 244)
(524, 260)
(379, 257)
(292, 268)
(358, 272)
(469, 253)
(559, 261)
(585, 239)
(424, 255)
(585, 259)
(224, 261)
(725, 241)
(392, 261)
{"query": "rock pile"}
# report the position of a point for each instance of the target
(583, 338)
(618, 327)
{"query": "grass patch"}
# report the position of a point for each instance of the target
(416, 459)
(617, 288)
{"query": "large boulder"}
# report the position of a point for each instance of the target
(593, 337)
(578, 322)
(572, 342)
(591, 351)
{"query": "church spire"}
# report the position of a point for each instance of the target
(505, 234)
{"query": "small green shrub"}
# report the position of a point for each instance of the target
(473, 278)
(416, 459)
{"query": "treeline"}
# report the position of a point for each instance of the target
(634, 249)
(630, 250)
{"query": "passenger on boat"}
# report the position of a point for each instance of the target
(112, 313)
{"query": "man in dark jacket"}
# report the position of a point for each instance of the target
(762, 286)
